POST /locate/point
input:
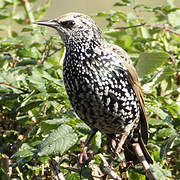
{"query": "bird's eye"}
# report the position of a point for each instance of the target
(68, 24)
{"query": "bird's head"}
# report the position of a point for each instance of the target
(74, 28)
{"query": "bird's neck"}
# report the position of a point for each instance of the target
(85, 47)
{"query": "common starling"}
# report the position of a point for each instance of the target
(102, 83)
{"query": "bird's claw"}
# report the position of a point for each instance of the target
(83, 155)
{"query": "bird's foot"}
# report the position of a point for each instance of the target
(121, 140)
(83, 155)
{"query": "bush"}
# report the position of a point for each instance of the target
(37, 122)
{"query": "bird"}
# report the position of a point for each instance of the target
(102, 84)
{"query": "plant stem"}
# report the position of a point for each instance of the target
(19, 173)
(27, 7)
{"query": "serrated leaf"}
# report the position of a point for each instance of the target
(166, 146)
(168, 71)
(84, 128)
(23, 154)
(87, 173)
(48, 125)
(59, 141)
(156, 122)
(166, 132)
(160, 173)
(149, 62)
(31, 52)
(72, 176)
(163, 115)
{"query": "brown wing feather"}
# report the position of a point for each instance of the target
(133, 79)
(143, 133)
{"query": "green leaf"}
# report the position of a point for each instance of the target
(87, 173)
(174, 18)
(31, 52)
(3, 174)
(167, 71)
(3, 28)
(102, 14)
(96, 141)
(156, 122)
(41, 11)
(28, 106)
(73, 176)
(59, 141)
(25, 63)
(164, 116)
(20, 17)
(166, 146)
(148, 62)
(27, 29)
(48, 125)
(23, 154)
(4, 13)
(160, 173)
(1, 3)
(166, 132)
(84, 128)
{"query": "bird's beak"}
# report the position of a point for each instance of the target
(50, 23)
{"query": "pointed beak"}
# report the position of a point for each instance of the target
(50, 23)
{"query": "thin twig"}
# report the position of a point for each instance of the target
(19, 173)
(149, 25)
(10, 85)
(46, 52)
(70, 168)
(164, 27)
(128, 27)
(58, 175)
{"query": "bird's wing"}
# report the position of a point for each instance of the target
(133, 79)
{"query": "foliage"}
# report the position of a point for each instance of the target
(37, 122)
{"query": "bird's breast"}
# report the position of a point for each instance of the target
(100, 95)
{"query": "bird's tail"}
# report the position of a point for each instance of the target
(130, 153)
(136, 152)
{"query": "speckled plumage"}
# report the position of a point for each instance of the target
(100, 80)
(99, 89)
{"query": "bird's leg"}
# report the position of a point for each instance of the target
(123, 136)
(83, 154)
(121, 142)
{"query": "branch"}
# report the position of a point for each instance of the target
(149, 25)
(58, 175)
(107, 170)
(164, 28)
(46, 52)
(142, 159)
(128, 27)
(12, 86)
